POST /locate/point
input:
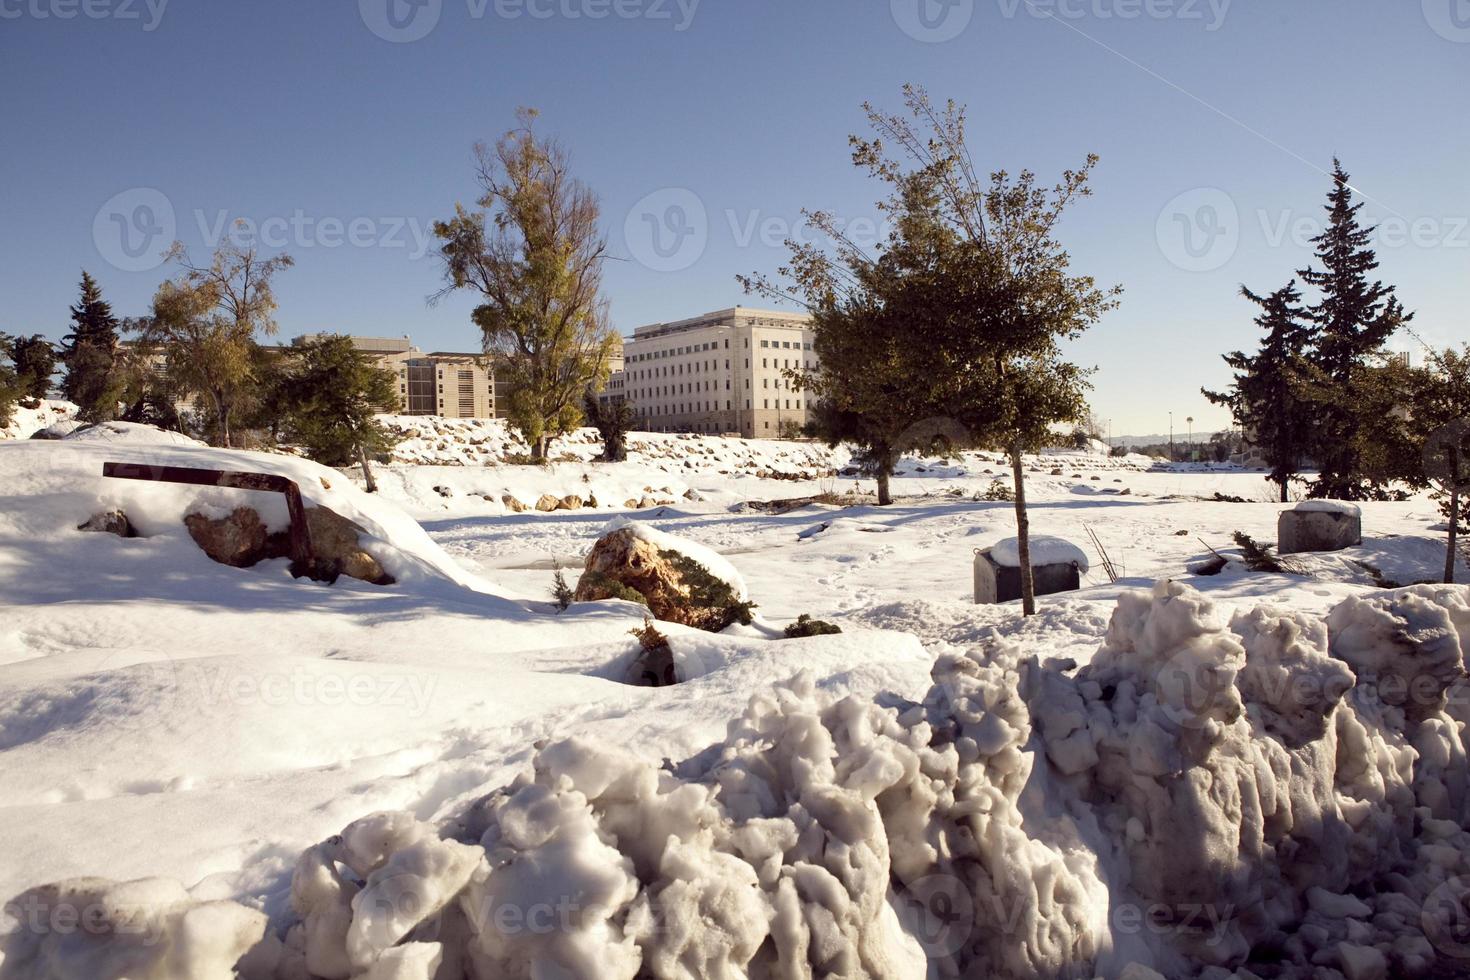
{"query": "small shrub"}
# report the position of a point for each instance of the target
(997, 491)
(597, 581)
(560, 591)
(1258, 557)
(806, 626)
(709, 591)
(649, 637)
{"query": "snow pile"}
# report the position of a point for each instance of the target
(25, 422)
(1045, 550)
(1281, 791)
(1305, 782)
(134, 433)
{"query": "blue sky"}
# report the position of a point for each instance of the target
(342, 129)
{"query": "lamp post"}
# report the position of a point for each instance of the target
(1171, 438)
(1190, 421)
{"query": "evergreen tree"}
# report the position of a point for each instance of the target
(1264, 398)
(1350, 324)
(89, 355)
(35, 361)
(10, 385)
(535, 257)
(613, 422)
(331, 395)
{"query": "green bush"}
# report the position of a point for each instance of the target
(806, 626)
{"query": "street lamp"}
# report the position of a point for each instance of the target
(1190, 421)
(1172, 455)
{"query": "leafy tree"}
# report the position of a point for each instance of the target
(34, 359)
(331, 395)
(535, 257)
(1000, 287)
(613, 421)
(1350, 323)
(1265, 398)
(205, 322)
(89, 355)
(1439, 407)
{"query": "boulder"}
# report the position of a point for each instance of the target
(631, 503)
(1319, 525)
(547, 503)
(110, 522)
(675, 588)
(241, 540)
(512, 504)
(570, 502)
(337, 540)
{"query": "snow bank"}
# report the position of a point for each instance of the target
(1045, 550)
(132, 433)
(25, 422)
(1280, 791)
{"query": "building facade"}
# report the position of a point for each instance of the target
(453, 385)
(722, 372)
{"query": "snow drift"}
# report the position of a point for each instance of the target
(1282, 791)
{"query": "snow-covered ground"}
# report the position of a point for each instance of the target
(165, 717)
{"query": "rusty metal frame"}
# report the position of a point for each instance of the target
(301, 549)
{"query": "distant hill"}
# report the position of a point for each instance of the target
(1159, 440)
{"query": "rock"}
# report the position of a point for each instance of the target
(336, 539)
(512, 504)
(239, 540)
(1362, 962)
(444, 491)
(110, 522)
(646, 503)
(547, 503)
(570, 502)
(631, 503)
(676, 589)
(692, 494)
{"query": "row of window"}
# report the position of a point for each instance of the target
(712, 345)
(685, 408)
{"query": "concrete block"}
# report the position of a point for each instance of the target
(995, 582)
(1318, 526)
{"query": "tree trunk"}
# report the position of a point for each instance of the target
(1449, 556)
(367, 471)
(884, 496)
(540, 449)
(1023, 536)
(1285, 490)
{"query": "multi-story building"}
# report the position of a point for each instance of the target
(723, 372)
(454, 385)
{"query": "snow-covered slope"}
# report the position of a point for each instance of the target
(444, 778)
(27, 421)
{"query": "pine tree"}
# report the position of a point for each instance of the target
(89, 354)
(331, 396)
(34, 359)
(1351, 322)
(1439, 406)
(10, 385)
(1265, 398)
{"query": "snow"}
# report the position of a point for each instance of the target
(1045, 550)
(1329, 507)
(446, 777)
(25, 422)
